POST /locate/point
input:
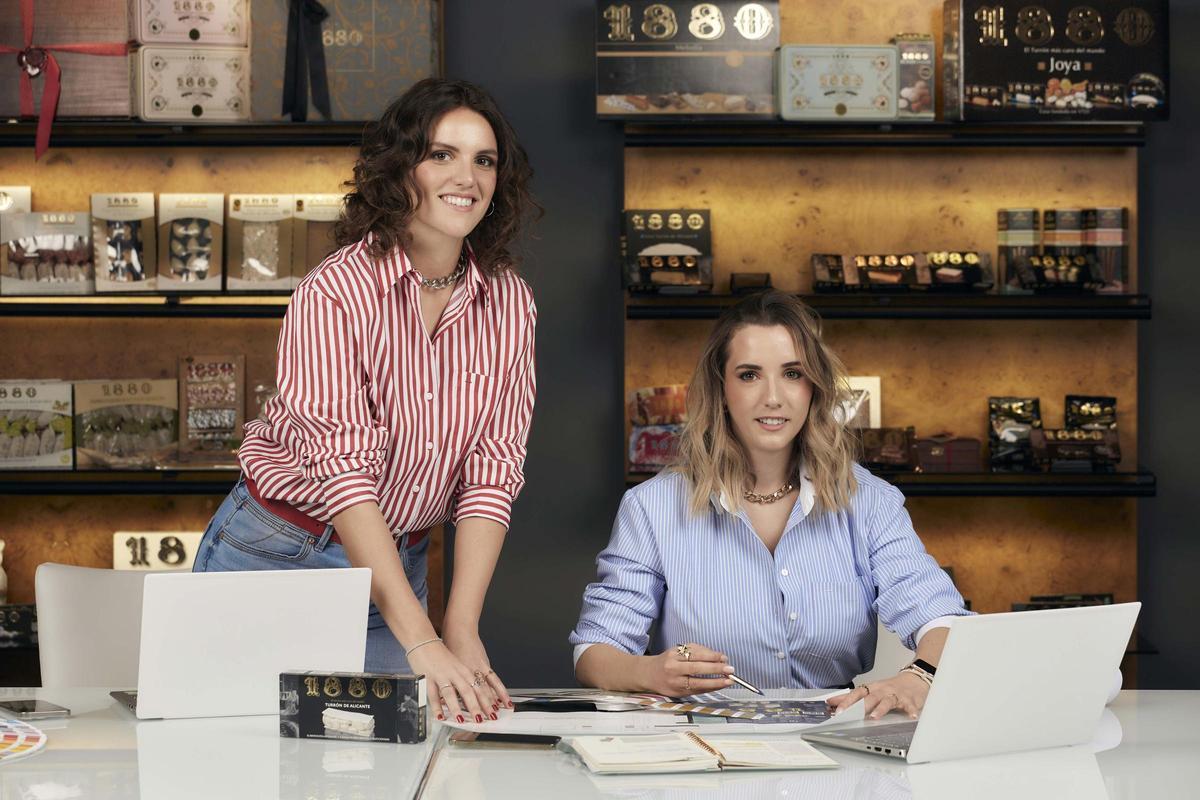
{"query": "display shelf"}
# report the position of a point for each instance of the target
(129, 133)
(178, 481)
(228, 305)
(909, 306)
(691, 132)
(999, 484)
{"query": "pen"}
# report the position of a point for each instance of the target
(744, 684)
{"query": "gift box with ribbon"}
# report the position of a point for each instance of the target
(64, 58)
(348, 58)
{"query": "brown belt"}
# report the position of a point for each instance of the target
(310, 525)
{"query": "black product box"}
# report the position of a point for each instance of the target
(1058, 274)
(668, 250)
(939, 271)
(683, 58)
(1019, 235)
(1106, 239)
(915, 82)
(1062, 231)
(359, 706)
(1106, 60)
(18, 625)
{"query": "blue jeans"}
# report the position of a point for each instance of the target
(245, 536)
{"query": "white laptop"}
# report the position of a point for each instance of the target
(213, 643)
(1008, 682)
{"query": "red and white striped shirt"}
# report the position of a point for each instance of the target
(372, 408)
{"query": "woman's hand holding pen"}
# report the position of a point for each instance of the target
(904, 692)
(451, 683)
(674, 671)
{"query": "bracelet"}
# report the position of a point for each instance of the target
(409, 651)
(920, 673)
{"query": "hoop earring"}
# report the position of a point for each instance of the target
(491, 209)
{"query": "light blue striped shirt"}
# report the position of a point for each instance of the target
(803, 617)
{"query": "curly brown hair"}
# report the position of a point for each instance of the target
(381, 198)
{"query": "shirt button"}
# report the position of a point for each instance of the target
(792, 616)
(429, 395)
(783, 572)
(429, 445)
(416, 489)
(781, 654)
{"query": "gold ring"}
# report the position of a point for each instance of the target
(684, 651)
(687, 683)
(445, 685)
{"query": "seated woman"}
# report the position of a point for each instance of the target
(766, 548)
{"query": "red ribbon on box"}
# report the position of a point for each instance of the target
(33, 61)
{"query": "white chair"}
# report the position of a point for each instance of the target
(89, 625)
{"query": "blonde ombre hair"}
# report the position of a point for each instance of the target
(711, 456)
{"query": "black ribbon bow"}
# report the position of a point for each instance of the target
(305, 61)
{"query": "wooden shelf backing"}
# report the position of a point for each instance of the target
(909, 306)
(1002, 484)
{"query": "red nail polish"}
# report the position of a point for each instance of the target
(440, 717)
(479, 718)
(494, 716)
(460, 718)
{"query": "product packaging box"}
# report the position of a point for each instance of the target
(124, 242)
(18, 625)
(359, 706)
(201, 22)
(374, 50)
(685, 58)
(92, 85)
(834, 82)
(658, 405)
(192, 84)
(1019, 235)
(212, 404)
(126, 424)
(46, 253)
(653, 447)
(915, 81)
(1010, 422)
(312, 231)
(1055, 60)
(1062, 231)
(258, 242)
(668, 250)
(1106, 239)
(35, 425)
(189, 242)
(934, 271)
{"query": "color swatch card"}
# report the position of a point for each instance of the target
(18, 739)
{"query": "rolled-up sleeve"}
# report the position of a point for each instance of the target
(494, 471)
(912, 589)
(323, 390)
(622, 605)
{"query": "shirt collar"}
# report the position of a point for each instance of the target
(396, 266)
(804, 503)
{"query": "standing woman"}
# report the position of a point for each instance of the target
(406, 387)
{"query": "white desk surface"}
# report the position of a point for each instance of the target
(1147, 746)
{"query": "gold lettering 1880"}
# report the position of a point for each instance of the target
(659, 22)
(620, 23)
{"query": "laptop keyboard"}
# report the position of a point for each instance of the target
(889, 735)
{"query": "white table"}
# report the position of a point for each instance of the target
(1147, 747)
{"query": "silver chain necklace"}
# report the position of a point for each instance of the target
(762, 499)
(447, 280)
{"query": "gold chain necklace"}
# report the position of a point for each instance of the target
(762, 499)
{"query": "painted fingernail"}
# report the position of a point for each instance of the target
(440, 716)
(494, 716)
(479, 718)
(460, 718)
(510, 705)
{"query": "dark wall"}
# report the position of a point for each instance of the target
(535, 58)
(1169, 379)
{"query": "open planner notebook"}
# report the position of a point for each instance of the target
(688, 752)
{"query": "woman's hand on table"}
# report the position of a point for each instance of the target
(904, 692)
(468, 647)
(674, 674)
(453, 685)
